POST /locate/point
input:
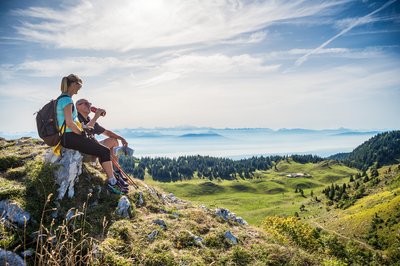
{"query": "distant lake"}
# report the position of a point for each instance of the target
(242, 143)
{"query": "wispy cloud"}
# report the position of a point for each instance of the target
(219, 63)
(86, 66)
(131, 24)
(351, 24)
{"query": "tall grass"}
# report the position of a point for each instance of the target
(65, 244)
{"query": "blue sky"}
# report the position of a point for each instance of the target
(226, 63)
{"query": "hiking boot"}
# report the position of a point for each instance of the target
(114, 189)
(118, 174)
(122, 183)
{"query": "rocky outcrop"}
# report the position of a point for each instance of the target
(229, 216)
(70, 167)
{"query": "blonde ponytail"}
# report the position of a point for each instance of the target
(67, 81)
(64, 84)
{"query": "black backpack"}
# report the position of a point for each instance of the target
(47, 124)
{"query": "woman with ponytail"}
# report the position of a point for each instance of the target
(74, 137)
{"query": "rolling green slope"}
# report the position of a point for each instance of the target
(269, 193)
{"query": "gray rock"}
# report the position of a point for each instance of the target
(241, 221)
(229, 216)
(70, 168)
(124, 207)
(171, 198)
(197, 240)
(231, 238)
(10, 258)
(13, 213)
(161, 223)
(140, 201)
(152, 235)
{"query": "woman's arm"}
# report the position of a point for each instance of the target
(68, 119)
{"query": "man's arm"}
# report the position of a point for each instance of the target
(94, 119)
(111, 134)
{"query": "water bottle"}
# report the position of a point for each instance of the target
(94, 109)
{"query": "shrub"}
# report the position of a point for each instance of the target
(292, 229)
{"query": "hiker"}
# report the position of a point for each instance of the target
(74, 137)
(92, 127)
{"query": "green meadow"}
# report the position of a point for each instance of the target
(267, 193)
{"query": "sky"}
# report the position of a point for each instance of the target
(214, 63)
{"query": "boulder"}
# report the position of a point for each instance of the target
(13, 213)
(10, 258)
(231, 238)
(124, 207)
(70, 168)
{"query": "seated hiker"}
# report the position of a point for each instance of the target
(83, 106)
(74, 136)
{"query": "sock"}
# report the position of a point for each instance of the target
(112, 180)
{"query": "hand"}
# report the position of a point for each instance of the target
(124, 142)
(100, 111)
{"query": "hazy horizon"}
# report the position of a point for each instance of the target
(239, 143)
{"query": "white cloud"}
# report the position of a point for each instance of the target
(219, 63)
(131, 24)
(85, 66)
(255, 37)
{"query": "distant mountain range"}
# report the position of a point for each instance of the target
(218, 132)
(191, 131)
(202, 135)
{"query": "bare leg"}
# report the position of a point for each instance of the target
(107, 166)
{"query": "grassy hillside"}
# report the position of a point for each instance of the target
(96, 235)
(373, 219)
(269, 193)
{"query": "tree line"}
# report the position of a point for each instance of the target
(207, 167)
(383, 149)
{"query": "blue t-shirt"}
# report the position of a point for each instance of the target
(62, 102)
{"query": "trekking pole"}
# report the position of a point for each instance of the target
(129, 178)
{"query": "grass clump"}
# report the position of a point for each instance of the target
(67, 243)
(9, 161)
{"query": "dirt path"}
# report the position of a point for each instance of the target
(343, 236)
